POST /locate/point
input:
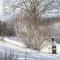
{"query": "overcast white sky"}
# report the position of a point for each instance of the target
(53, 10)
(1, 9)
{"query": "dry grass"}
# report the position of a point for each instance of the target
(8, 55)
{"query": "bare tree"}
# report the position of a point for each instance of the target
(32, 11)
(35, 9)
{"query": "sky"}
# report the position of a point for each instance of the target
(52, 12)
(1, 9)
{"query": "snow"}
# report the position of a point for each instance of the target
(13, 41)
(31, 54)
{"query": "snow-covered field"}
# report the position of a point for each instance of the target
(21, 51)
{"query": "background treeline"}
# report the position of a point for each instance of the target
(5, 29)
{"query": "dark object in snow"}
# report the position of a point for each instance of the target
(53, 46)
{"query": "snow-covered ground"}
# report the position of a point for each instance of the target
(21, 51)
(47, 47)
(12, 41)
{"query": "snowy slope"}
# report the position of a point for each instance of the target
(31, 54)
(13, 40)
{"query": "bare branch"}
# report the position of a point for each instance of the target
(45, 8)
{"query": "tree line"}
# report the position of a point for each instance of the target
(5, 29)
